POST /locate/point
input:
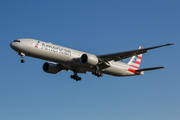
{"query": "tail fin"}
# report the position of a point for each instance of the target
(135, 61)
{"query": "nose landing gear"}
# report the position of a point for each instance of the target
(23, 61)
(22, 56)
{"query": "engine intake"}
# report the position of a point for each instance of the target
(89, 59)
(50, 67)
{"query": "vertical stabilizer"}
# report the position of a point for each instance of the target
(135, 61)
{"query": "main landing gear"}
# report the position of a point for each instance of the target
(76, 77)
(97, 73)
(22, 56)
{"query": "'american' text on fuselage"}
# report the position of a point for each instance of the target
(56, 49)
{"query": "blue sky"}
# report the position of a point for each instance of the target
(98, 27)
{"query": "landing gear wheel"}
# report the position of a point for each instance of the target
(75, 77)
(23, 61)
(79, 78)
(101, 75)
(97, 73)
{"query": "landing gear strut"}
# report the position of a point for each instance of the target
(76, 77)
(22, 56)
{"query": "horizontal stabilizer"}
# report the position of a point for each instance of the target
(153, 68)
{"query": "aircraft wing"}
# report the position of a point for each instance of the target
(127, 54)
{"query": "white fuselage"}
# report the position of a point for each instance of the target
(65, 56)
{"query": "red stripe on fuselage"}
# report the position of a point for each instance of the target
(132, 70)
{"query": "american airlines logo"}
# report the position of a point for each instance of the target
(36, 45)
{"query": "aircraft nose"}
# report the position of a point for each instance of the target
(11, 45)
(15, 45)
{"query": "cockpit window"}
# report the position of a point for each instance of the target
(16, 41)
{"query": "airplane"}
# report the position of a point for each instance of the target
(62, 58)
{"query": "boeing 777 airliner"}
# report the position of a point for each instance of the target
(62, 58)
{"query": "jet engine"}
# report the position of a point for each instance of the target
(50, 67)
(89, 59)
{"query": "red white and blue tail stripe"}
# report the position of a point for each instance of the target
(135, 62)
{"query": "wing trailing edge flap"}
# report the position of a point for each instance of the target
(152, 68)
(103, 65)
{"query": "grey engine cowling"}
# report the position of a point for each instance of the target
(50, 67)
(89, 59)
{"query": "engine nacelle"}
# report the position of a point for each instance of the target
(50, 67)
(89, 59)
